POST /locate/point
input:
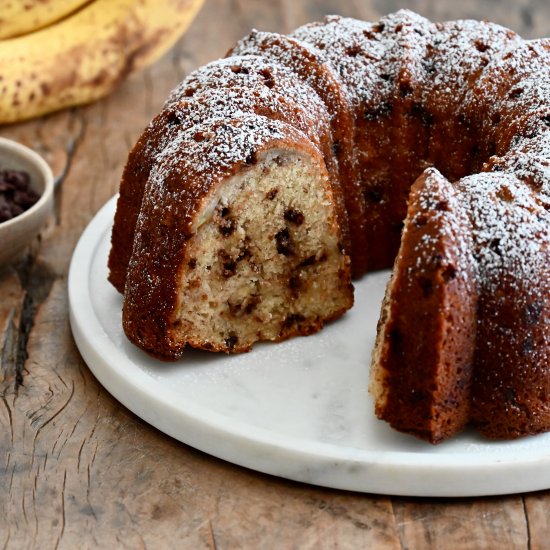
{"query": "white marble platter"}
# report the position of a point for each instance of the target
(299, 409)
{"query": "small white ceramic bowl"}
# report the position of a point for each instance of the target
(16, 234)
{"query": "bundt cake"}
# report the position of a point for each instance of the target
(274, 176)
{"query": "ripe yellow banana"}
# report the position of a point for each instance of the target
(84, 56)
(21, 17)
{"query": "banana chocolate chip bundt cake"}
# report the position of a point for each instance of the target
(275, 175)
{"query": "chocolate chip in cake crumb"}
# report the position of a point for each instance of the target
(228, 264)
(231, 341)
(280, 161)
(227, 227)
(252, 303)
(271, 194)
(294, 216)
(294, 283)
(244, 254)
(229, 269)
(244, 308)
(284, 245)
(442, 206)
(310, 260)
(293, 319)
(192, 263)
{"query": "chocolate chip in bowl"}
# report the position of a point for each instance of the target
(26, 198)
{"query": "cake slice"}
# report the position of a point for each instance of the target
(422, 362)
(237, 241)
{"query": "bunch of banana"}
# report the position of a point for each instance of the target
(80, 57)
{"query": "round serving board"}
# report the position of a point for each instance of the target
(299, 409)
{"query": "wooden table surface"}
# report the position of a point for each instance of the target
(77, 469)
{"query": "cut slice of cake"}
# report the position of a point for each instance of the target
(422, 362)
(250, 252)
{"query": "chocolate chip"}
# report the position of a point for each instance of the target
(229, 265)
(294, 216)
(481, 46)
(16, 195)
(192, 263)
(310, 260)
(294, 282)
(252, 303)
(227, 227)
(271, 194)
(231, 341)
(251, 159)
(293, 319)
(284, 246)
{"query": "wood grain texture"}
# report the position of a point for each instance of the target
(78, 470)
